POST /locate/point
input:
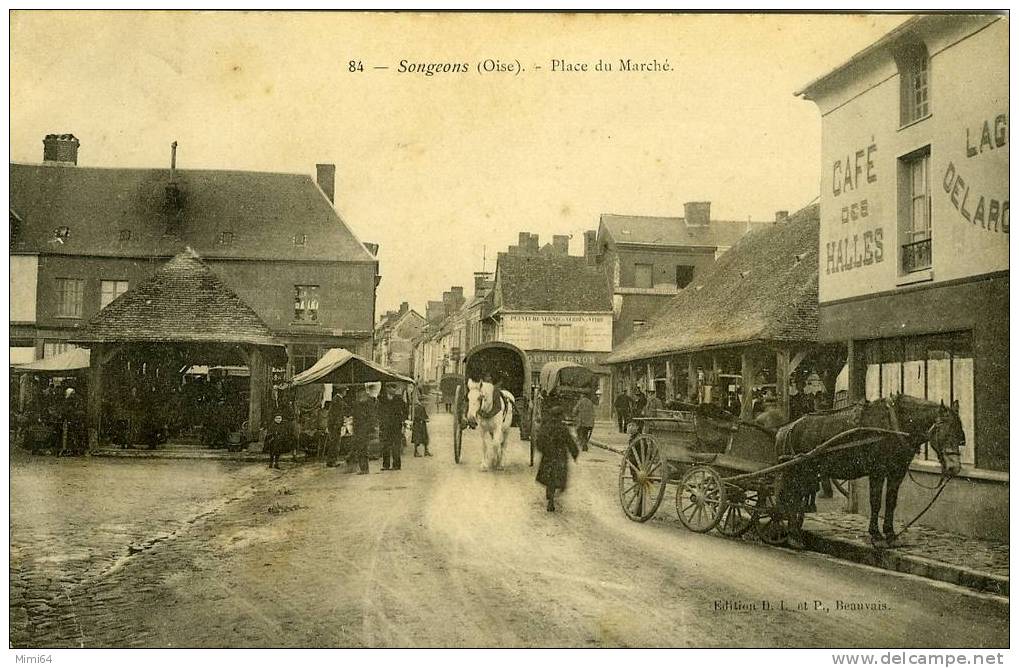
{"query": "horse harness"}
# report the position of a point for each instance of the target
(497, 400)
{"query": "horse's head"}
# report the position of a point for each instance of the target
(947, 437)
(479, 397)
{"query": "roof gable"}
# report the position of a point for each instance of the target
(764, 288)
(554, 284)
(221, 214)
(184, 301)
(672, 231)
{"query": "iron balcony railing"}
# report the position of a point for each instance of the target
(916, 256)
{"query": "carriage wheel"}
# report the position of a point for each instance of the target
(774, 523)
(643, 475)
(740, 513)
(700, 499)
(457, 426)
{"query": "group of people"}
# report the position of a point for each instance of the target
(635, 403)
(351, 419)
(54, 420)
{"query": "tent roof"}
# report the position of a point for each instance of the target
(75, 359)
(185, 301)
(341, 367)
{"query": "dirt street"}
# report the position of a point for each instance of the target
(444, 555)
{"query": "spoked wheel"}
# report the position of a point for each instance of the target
(700, 499)
(457, 426)
(740, 513)
(774, 524)
(643, 475)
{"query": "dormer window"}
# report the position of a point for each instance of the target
(225, 238)
(62, 233)
(914, 83)
(125, 235)
(300, 239)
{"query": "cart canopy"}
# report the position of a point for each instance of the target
(342, 367)
(567, 377)
(75, 360)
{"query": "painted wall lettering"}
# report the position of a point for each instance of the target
(989, 213)
(859, 250)
(1000, 137)
(846, 175)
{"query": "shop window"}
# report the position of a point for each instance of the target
(915, 212)
(54, 348)
(914, 83)
(643, 275)
(306, 303)
(684, 274)
(304, 357)
(556, 337)
(70, 293)
(110, 290)
(937, 368)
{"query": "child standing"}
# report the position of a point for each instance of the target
(554, 442)
(419, 431)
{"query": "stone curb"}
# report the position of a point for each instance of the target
(182, 454)
(890, 560)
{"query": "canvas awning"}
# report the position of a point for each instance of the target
(71, 361)
(342, 367)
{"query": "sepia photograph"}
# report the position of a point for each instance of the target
(518, 329)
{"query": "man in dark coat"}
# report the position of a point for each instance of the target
(554, 442)
(622, 405)
(277, 439)
(392, 413)
(583, 417)
(364, 415)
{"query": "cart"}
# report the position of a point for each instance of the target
(729, 475)
(501, 359)
(560, 384)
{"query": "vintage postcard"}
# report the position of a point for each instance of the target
(451, 330)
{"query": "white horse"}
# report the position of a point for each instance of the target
(493, 413)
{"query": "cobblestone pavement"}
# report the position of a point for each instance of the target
(438, 554)
(74, 520)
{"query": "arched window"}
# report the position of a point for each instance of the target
(914, 83)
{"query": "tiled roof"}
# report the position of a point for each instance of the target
(763, 289)
(184, 301)
(221, 214)
(540, 283)
(666, 231)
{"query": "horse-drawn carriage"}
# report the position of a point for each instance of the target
(560, 384)
(507, 368)
(735, 476)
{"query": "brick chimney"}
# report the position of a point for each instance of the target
(60, 149)
(561, 245)
(435, 311)
(482, 283)
(325, 176)
(533, 245)
(781, 216)
(404, 307)
(591, 246)
(697, 214)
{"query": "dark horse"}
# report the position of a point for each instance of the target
(885, 462)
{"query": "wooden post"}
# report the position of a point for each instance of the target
(257, 389)
(650, 378)
(691, 377)
(748, 369)
(857, 370)
(670, 391)
(782, 380)
(94, 408)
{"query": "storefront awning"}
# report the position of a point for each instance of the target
(71, 361)
(342, 367)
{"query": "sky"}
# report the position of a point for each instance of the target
(443, 171)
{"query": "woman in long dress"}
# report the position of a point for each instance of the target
(555, 443)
